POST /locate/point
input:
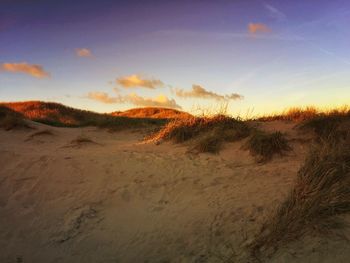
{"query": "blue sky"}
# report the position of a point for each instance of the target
(274, 54)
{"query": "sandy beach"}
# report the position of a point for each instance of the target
(118, 199)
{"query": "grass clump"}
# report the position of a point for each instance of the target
(210, 143)
(321, 192)
(208, 132)
(265, 145)
(182, 130)
(325, 125)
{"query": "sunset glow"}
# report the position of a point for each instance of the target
(258, 56)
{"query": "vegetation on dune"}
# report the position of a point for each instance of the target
(292, 114)
(332, 123)
(182, 130)
(153, 112)
(321, 192)
(265, 145)
(306, 114)
(56, 114)
(10, 120)
(210, 142)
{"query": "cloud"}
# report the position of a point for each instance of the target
(83, 52)
(255, 28)
(134, 99)
(200, 92)
(160, 101)
(34, 70)
(136, 81)
(275, 13)
(104, 97)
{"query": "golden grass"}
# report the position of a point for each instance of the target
(264, 145)
(153, 112)
(321, 192)
(305, 113)
(214, 129)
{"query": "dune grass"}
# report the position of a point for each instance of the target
(328, 124)
(264, 145)
(10, 120)
(153, 112)
(292, 114)
(210, 143)
(208, 132)
(321, 192)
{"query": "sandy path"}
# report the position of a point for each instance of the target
(122, 201)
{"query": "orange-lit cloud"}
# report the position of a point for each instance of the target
(83, 52)
(200, 92)
(255, 28)
(34, 70)
(160, 101)
(134, 99)
(137, 81)
(104, 97)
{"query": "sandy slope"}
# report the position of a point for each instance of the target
(123, 201)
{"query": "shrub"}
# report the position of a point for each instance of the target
(265, 145)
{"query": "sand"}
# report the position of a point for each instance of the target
(117, 199)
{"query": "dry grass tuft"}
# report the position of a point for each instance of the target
(321, 192)
(185, 129)
(265, 145)
(208, 131)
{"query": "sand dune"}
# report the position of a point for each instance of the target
(115, 199)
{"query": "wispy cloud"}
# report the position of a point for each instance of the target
(137, 81)
(83, 52)
(275, 13)
(255, 28)
(134, 99)
(224, 36)
(34, 70)
(198, 91)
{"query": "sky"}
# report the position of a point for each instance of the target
(255, 56)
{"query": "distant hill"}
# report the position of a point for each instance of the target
(153, 112)
(57, 114)
(52, 113)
